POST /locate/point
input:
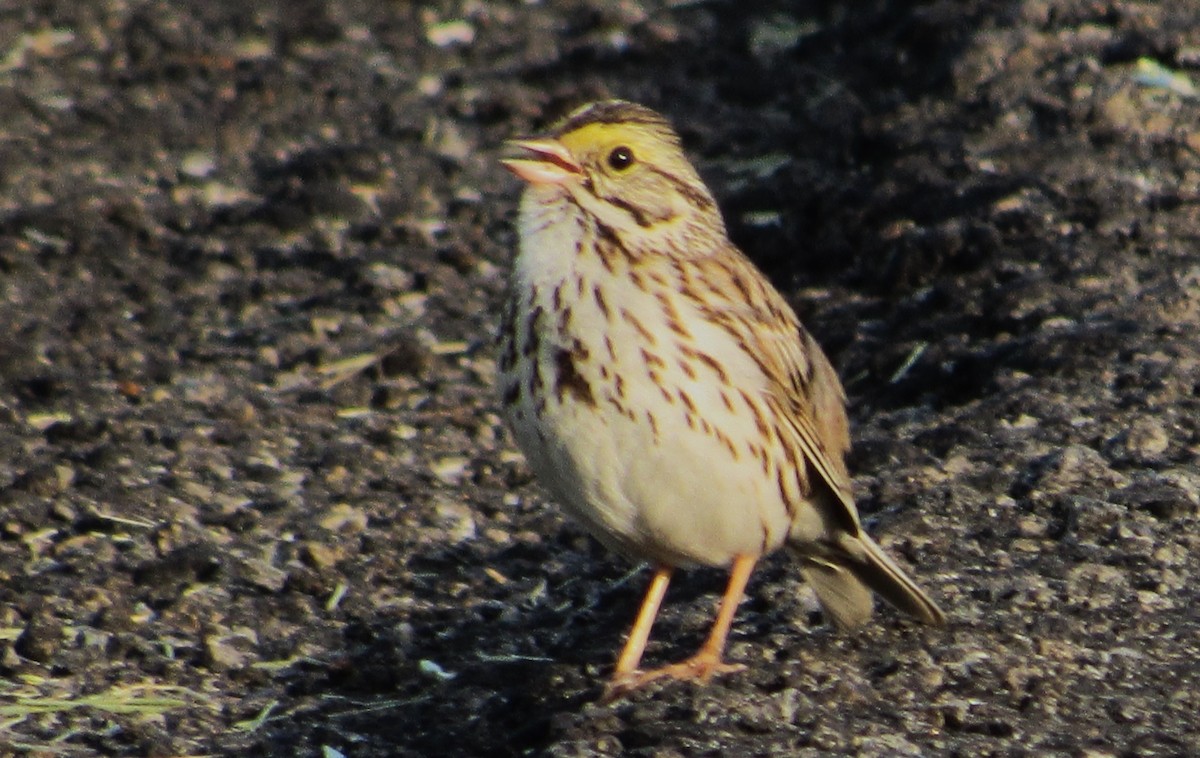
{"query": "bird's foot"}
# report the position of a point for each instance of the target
(700, 668)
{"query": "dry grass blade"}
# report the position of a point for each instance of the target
(147, 699)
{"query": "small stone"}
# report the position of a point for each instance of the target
(41, 639)
(320, 556)
(1146, 438)
(344, 518)
(262, 574)
(1096, 585)
(451, 468)
(457, 519)
(232, 649)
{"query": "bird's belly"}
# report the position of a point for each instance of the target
(652, 474)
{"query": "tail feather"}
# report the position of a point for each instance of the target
(844, 581)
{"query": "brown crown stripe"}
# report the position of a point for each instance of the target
(614, 112)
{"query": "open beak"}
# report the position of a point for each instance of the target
(547, 161)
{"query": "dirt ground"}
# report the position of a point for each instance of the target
(255, 496)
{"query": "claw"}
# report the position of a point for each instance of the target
(700, 668)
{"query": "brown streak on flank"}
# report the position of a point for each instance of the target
(739, 283)
(638, 280)
(784, 495)
(691, 420)
(761, 454)
(707, 427)
(630, 414)
(578, 287)
(556, 297)
(764, 431)
(564, 318)
(608, 345)
(617, 404)
(531, 340)
(686, 368)
(641, 329)
(725, 399)
(652, 360)
(653, 422)
(569, 380)
(802, 487)
(712, 363)
(687, 400)
(671, 313)
(789, 452)
(619, 387)
(763, 368)
(728, 443)
(666, 395)
(604, 372)
(601, 302)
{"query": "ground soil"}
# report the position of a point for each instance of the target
(255, 496)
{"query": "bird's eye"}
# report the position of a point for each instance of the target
(620, 158)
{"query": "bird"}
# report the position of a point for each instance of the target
(665, 393)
